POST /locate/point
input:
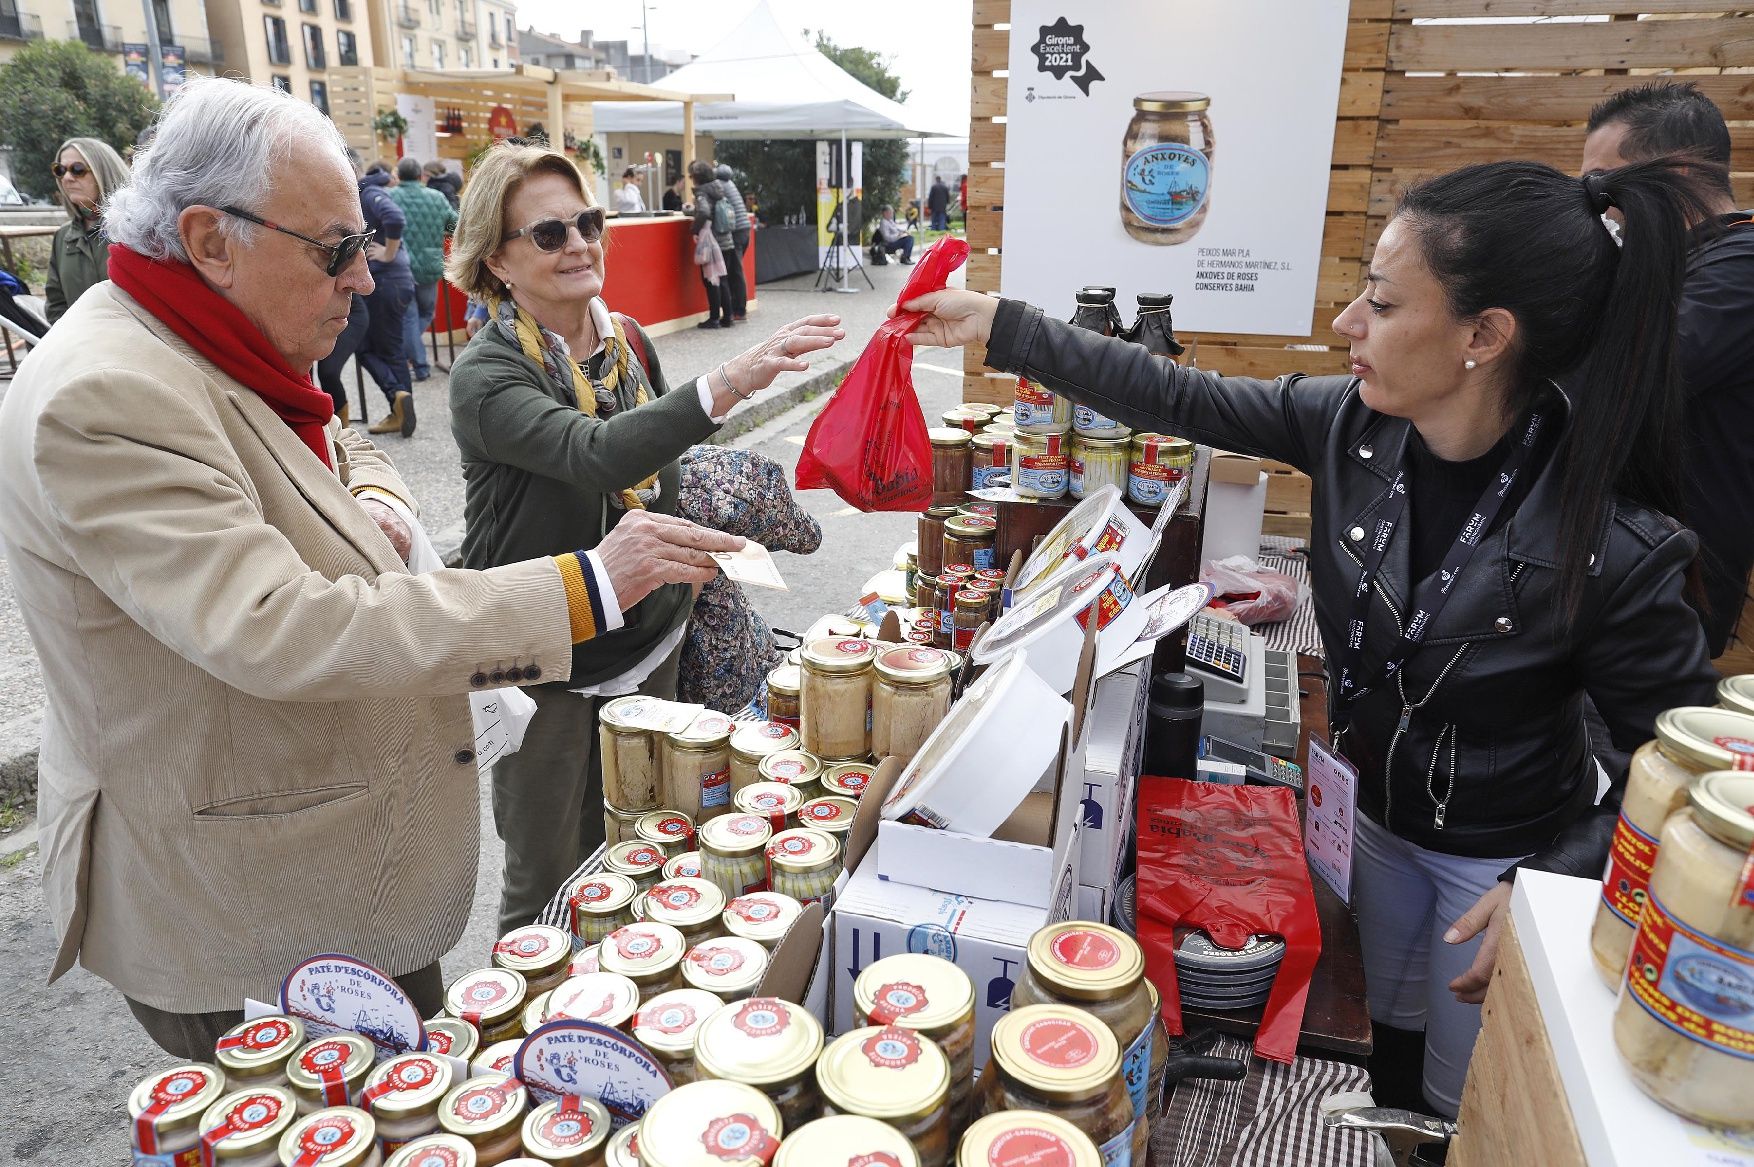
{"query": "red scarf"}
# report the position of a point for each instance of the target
(215, 328)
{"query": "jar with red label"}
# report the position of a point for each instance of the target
(830, 813)
(752, 741)
(731, 852)
(255, 1053)
(490, 999)
(435, 1151)
(768, 1044)
(1098, 462)
(500, 1057)
(949, 585)
(686, 865)
(1684, 1024)
(846, 1138)
(1100, 970)
(847, 779)
(640, 862)
(1025, 1138)
(340, 1136)
(165, 1110)
(710, 1123)
(963, 417)
(666, 1025)
(606, 998)
(487, 1111)
(894, 1075)
(1158, 464)
(761, 916)
(649, 955)
(1690, 741)
(728, 967)
(623, 1150)
(973, 611)
(691, 906)
(571, 1131)
(331, 1071)
(930, 995)
(926, 600)
(670, 831)
(600, 904)
(538, 953)
(952, 465)
(804, 864)
(783, 686)
(403, 1095)
(244, 1128)
(453, 1037)
(796, 768)
(910, 697)
(777, 802)
(969, 539)
(1036, 410)
(1063, 1061)
(696, 763)
(1039, 463)
(837, 698)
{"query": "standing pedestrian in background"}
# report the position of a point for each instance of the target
(382, 353)
(938, 203)
(628, 200)
(739, 242)
(86, 172)
(430, 220)
(712, 212)
(442, 180)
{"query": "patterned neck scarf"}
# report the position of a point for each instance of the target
(596, 397)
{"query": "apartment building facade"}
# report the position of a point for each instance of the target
(107, 25)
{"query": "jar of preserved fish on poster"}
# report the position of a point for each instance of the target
(1166, 167)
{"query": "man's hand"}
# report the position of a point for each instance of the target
(647, 550)
(1486, 915)
(953, 318)
(391, 524)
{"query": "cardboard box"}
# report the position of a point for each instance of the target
(1111, 747)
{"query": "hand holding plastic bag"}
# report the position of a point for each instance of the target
(869, 444)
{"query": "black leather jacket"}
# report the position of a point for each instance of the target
(1487, 719)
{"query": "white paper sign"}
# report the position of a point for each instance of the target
(1234, 232)
(751, 564)
(1330, 806)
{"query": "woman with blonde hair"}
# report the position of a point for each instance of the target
(566, 423)
(87, 172)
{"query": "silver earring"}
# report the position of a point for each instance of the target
(1468, 364)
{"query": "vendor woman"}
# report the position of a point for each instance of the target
(565, 423)
(1489, 544)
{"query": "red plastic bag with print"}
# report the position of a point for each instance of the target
(1229, 860)
(869, 445)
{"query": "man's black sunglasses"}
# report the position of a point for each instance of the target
(340, 254)
(550, 234)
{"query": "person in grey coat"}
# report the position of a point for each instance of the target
(739, 237)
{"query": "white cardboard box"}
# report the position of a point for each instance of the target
(1107, 772)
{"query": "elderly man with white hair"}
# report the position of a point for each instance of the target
(258, 745)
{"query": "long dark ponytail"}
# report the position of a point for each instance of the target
(1596, 317)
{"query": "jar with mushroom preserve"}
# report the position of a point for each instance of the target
(769, 1044)
(897, 1076)
(837, 698)
(1063, 1061)
(934, 997)
(910, 697)
(1166, 167)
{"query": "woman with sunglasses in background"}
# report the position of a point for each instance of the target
(86, 172)
(565, 423)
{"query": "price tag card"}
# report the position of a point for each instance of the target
(1329, 810)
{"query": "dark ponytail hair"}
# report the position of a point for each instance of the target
(1596, 317)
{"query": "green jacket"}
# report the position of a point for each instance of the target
(77, 260)
(537, 474)
(430, 218)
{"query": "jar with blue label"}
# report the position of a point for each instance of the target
(1036, 410)
(1166, 167)
(1039, 465)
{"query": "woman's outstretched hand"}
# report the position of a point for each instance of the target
(744, 375)
(953, 318)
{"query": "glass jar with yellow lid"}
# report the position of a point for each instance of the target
(255, 1053)
(696, 765)
(1690, 741)
(165, 1110)
(339, 1136)
(649, 955)
(1100, 970)
(670, 831)
(403, 1094)
(691, 906)
(637, 860)
(895, 1075)
(804, 863)
(761, 916)
(488, 1111)
(536, 1012)
(1098, 462)
(910, 697)
(797, 768)
(848, 779)
(768, 1044)
(631, 778)
(1062, 1060)
(623, 1149)
(1039, 464)
(846, 1138)
(436, 1151)
(929, 542)
(831, 814)
(731, 847)
(752, 741)
(1156, 465)
(538, 953)
(1015, 1138)
(1037, 410)
(490, 999)
(604, 997)
(776, 802)
(783, 685)
(243, 1129)
(330, 1071)
(992, 457)
(571, 1131)
(952, 464)
(499, 1058)
(453, 1037)
(1166, 167)
(710, 1124)
(667, 1024)
(930, 995)
(685, 866)
(969, 539)
(601, 903)
(837, 697)
(621, 826)
(728, 967)
(1684, 1024)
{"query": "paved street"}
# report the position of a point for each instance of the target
(73, 1050)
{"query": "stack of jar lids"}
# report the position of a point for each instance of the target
(1126, 910)
(1211, 977)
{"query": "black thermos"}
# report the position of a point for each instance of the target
(1172, 725)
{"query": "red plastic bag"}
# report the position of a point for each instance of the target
(1229, 860)
(1253, 594)
(869, 445)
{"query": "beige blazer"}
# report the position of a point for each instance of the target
(257, 746)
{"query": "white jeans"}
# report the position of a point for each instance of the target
(1406, 898)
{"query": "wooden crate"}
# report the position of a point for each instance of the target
(1288, 494)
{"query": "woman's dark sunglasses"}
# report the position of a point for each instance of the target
(340, 254)
(550, 234)
(77, 170)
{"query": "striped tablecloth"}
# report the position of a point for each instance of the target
(1298, 634)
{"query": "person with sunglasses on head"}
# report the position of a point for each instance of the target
(86, 171)
(568, 428)
(384, 352)
(250, 696)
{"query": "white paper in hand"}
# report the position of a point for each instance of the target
(751, 565)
